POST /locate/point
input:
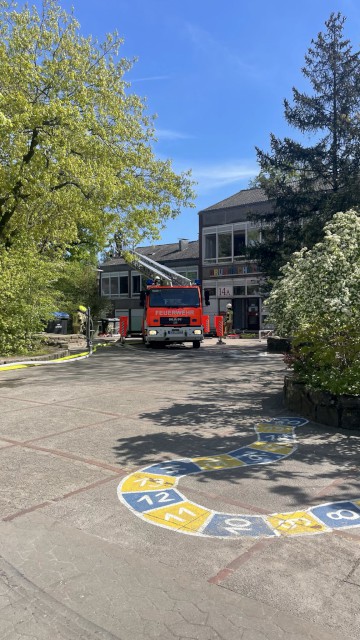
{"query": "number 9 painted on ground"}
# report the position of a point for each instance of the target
(151, 493)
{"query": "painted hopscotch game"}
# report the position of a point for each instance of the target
(151, 493)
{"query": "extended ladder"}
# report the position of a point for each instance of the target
(148, 267)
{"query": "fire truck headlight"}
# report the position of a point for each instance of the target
(152, 332)
(197, 332)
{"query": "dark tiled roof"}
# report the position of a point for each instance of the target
(165, 252)
(239, 199)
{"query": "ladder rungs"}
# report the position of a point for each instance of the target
(149, 267)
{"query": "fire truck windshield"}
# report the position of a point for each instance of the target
(174, 297)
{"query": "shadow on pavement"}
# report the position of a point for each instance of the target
(216, 415)
(220, 416)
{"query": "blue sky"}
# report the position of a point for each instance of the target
(215, 73)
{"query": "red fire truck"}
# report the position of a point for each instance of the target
(172, 304)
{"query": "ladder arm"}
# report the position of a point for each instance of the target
(148, 267)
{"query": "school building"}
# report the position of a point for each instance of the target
(218, 259)
(225, 230)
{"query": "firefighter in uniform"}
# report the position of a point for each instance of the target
(79, 320)
(228, 319)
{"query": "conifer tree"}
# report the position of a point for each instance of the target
(308, 184)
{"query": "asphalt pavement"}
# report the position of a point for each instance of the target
(77, 562)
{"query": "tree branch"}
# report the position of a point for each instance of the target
(71, 183)
(33, 144)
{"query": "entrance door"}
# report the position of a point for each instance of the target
(246, 314)
(239, 313)
(253, 315)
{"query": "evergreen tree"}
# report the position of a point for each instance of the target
(308, 184)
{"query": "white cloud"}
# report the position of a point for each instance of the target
(213, 176)
(149, 79)
(171, 134)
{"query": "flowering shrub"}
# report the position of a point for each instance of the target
(317, 302)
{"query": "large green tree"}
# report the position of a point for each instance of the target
(309, 183)
(77, 166)
(76, 160)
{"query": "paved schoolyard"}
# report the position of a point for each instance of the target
(76, 562)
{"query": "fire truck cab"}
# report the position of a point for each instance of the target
(172, 304)
(172, 314)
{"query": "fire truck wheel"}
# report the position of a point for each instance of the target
(196, 345)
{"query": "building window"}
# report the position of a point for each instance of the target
(210, 247)
(188, 272)
(124, 286)
(105, 286)
(253, 289)
(211, 291)
(227, 243)
(252, 237)
(239, 243)
(224, 247)
(192, 275)
(135, 284)
(114, 287)
(239, 291)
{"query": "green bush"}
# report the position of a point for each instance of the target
(317, 302)
(28, 297)
(327, 360)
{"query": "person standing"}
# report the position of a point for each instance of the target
(79, 320)
(229, 316)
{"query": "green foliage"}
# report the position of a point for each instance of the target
(317, 301)
(76, 160)
(308, 184)
(78, 284)
(76, 166)
(326, 359)
(28, 297)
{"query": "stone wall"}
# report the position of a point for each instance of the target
(278, 345)
(320, 406)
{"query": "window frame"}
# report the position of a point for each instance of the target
(247, 227)
(114, 275)
(126, 278)
(135, 274)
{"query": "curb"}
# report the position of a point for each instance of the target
(25, 364)
(44, 358)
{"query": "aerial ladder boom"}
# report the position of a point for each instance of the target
(149, 268)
